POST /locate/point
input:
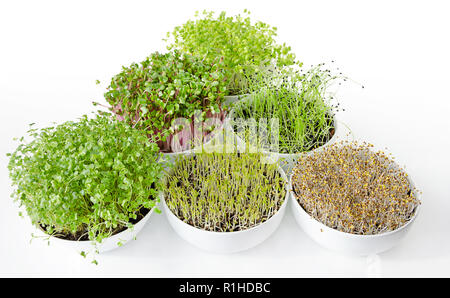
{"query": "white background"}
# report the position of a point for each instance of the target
(51, 53)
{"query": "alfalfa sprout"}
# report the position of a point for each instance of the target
(352, 188)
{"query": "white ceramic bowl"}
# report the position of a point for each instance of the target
(346, 243)
(227, 242)
(107, 244)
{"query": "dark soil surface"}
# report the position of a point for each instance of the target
(83, 235)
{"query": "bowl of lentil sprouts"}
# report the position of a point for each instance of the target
(353, 199)
(225, 202)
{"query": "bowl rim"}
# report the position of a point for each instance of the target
(383, 234)
(196, 229)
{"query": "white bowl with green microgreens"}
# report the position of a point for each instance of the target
(354, 200)
(286, 160)
(288, 113)
(225, 203)
(89, 184)
(166, 92)
(243, 45)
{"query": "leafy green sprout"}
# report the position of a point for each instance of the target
(299, 99)
(245, 46)
(224, 192)
(86, 180)
(151, 95)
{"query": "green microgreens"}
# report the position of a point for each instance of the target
(244, 46)
(351, 188)
(300, 100)
(224, 192)
(87, 179)
(152, 94)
